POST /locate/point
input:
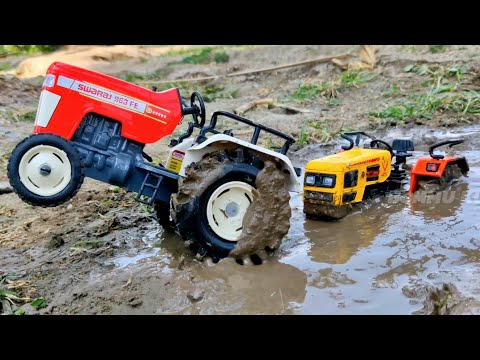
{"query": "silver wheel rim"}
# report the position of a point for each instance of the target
(226, 209)
(45, 170)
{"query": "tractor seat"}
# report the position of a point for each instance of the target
(402, 147)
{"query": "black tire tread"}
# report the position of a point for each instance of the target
(184, 214)
(162, 212)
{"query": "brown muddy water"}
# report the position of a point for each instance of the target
(378, 260)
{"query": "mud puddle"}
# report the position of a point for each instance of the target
(383, 257)
(387, 257)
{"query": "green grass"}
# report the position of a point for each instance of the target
(14, 116)
(206, 56)
(307, 92)
(27, 49)
(414, 49)
(39, 303)
(90, 243)
(435, 49)
(439, 99)
(333, 102)
(6, 67)
(9, 299)
(4, 156)
(189, 52)
(443, 93)
(304, 135)
(311, 91)
(318, 131)
(147, 208)
(439, 72)
(134, 77)
(211, 92)
(357, 77)
(28, 116)
(233, 94)
(202, 56)
(393, 91)
(221, 57)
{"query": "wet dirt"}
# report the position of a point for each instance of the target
(451, 173)
(368, 262)
(270, 206)
(199, 177)
(103, 253)
(326, 212)
(447, 300)
(15, 93)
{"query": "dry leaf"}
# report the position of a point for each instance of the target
(367, 55)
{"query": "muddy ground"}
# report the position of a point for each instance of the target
(103, 253)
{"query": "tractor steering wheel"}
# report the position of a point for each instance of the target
(376, 142)
(201, 113)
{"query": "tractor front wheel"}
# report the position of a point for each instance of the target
(45, 170)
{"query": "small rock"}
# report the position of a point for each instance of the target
(181, 263)
(29, 309)
(195, 296)
(55, 242)
(69, 207)
(135, 302)
(79, 295)
(5, 188)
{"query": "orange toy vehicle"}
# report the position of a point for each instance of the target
(437, 169)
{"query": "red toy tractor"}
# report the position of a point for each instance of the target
(94, 125)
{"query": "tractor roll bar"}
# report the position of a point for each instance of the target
(442, 143)
(258, 128)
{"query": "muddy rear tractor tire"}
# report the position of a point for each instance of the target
(45, 170)
(162, 211)
(218, 194)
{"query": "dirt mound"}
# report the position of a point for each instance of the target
(447, 300)
(88, 57)
(17, 93)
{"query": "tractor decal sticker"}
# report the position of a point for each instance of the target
(176, 161)
(154, 112)
(365, 162)
(373, 172)
(384, 166)
(116, 99)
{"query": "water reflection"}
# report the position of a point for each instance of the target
(335, 242)
(272, 288)
(443, 204)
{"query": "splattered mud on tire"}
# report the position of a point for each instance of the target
(268, 218)
(199, 176)
(266, 221)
